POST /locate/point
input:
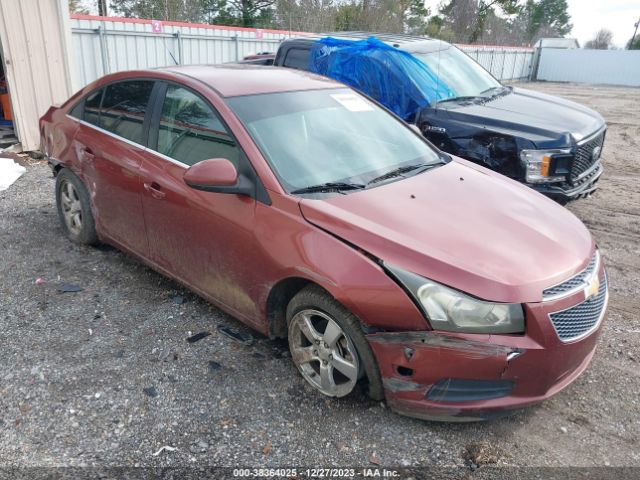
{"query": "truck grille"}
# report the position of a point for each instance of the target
(578, 321)
(575, 283)
(584, 158)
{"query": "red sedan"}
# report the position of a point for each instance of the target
(309, 212)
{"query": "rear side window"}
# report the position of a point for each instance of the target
(92, 107)
(297, 58)
(190, 130)
(124, 107)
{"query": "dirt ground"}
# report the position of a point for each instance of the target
(106, 377)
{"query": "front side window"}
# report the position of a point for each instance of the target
(190, 131)
(316, 137)
(124, 107)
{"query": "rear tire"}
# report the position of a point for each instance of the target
(74, 208)
(328, 346)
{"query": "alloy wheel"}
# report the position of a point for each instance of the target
(323, 352)
(71, 207)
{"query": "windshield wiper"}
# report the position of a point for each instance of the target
(329, 187)
(396, 172)
(459, 99)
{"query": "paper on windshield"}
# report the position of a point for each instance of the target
(352, 102)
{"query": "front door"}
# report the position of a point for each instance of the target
(109, 144)
(200, 237)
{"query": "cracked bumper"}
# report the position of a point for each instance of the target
(463, 377)
(568, 192)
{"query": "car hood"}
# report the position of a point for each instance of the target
(463, 226)
(545, 120)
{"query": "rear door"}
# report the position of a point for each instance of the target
(109, 144)
(203, 238)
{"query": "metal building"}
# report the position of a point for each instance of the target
(34, 48)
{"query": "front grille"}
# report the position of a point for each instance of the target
(463, 390)
(578, 321)
(584, 158)
(574, 283)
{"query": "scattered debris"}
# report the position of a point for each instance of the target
(267, 448)
(150, 391)
(164, 354)
(69, 288)
(478, 454)
(564, 430)
(198, 336)
(213, 366)
(178, 299)
(25, 408)
(244, 338)
(373, 458)
(167, 448)
(40, 281)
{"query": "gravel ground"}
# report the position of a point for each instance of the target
(106, 377)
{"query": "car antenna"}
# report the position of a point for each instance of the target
(164, 42)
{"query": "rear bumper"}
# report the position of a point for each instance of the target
(566, 192)
(462, 377)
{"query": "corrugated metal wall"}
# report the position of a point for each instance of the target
(504, 63)
(612, 67)
(108, 45)
(34, 36)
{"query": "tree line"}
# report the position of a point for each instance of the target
(506, 22)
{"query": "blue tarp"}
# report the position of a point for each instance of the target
(395, 78)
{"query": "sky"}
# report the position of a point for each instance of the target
(588, 16)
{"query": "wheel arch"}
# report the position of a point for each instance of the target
(277, 301)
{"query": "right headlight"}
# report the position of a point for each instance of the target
(451, 310)
(538, 164)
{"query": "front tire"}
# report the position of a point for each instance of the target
(328, 347)
(74, 209)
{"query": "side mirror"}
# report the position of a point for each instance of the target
(217, 175)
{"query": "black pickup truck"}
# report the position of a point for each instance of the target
(550, 144)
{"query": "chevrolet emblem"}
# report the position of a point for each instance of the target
(592, 288)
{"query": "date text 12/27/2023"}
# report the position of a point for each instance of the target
(328, 473)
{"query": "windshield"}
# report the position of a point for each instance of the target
(337, 136)
(459, 72)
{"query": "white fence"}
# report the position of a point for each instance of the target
(612, 67)
(101, 46)
(504, 63)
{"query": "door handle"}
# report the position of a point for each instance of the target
(155, 190)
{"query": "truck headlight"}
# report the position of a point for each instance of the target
(453, 311)
(538, 163)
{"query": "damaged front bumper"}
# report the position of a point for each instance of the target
(468, 377)
(566, 191)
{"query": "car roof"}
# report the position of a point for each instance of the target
(409, 43)
(233, 80)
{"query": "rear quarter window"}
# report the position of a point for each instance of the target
(91, 111)
(297, 58)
